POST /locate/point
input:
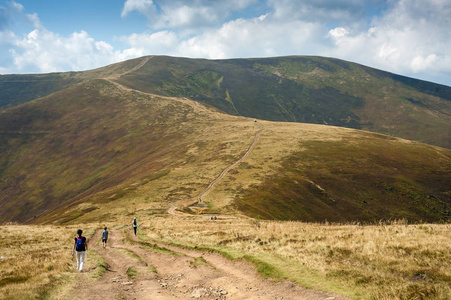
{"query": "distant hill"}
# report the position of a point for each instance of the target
(303, 89)
(97, 150)
(21, 88)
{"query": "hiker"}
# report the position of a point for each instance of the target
(135, 225)
(81, 247)
(104, 237)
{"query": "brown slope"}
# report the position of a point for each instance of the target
(98, 150)
(79, 141)
(304, 89)
(93, 138)
(355, 176)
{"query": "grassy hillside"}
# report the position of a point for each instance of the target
(21, 88)
(309, 90)
(93, 153)
(97, 150)
(358, 177)
(98, 138)
(295, 89)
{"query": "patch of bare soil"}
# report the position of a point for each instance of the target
(168, 272)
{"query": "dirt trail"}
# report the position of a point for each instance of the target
(173, 207)
(224, 172)
(186, 202)
(168, 272)
(137, 67)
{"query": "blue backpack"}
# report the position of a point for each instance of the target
(80, 246)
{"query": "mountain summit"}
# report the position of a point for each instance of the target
(155, 133)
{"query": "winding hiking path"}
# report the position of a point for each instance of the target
(137, 67)
(141, 269)
(224, 172)
(173, 207)
(162, 271)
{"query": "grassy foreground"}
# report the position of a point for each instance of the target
(385, 261)
(36, 262)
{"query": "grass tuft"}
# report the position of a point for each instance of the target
(132, 273)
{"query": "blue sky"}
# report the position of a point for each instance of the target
(407, 37)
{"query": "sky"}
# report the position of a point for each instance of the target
(406, 37)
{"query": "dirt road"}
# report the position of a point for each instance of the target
(160, 271)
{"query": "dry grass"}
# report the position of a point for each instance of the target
(385, 261)
(36, 261)
(219, 144)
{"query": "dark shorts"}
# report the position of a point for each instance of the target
(104, 240)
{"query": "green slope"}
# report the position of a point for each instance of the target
(307, 89)
(315, 90)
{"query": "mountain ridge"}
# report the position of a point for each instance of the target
(99, 149)
(308, 89)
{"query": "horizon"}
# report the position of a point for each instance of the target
(52, 36)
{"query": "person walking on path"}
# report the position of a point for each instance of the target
(80, 246)
(104, 237)
(135, 225)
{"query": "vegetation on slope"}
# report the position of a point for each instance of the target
(295, 89)
(21, 88)
(99, 139)
(365, 177)
(77, 142)
(307, 89)
(98, 148)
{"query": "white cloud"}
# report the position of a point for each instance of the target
(44, 51)
(420, 63)
(179, 16)
(185, 15)
(17, 6)
(338, 33)
(410, 37)
(146, 7)
(163, 42)
(253, 38)
(34, 20)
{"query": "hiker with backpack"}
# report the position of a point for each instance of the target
(81, 247)
(135, 225)
(104, 238)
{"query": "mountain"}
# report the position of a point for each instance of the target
(99, 149)
(302, 89)
(21, 88)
